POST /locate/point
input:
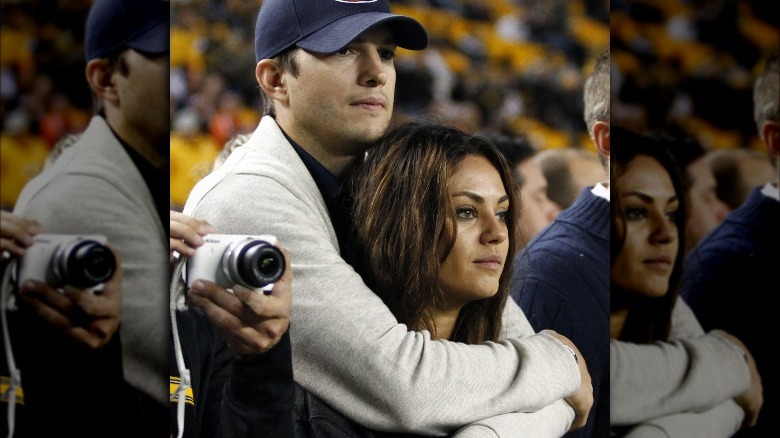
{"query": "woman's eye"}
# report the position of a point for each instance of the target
(465, 213)
(672, 215)
(503, 216)
(635, 213)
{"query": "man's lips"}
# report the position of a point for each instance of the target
(371, 103)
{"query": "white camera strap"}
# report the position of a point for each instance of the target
(185, 382)
(6, 305)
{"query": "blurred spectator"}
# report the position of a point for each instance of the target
(536, 209)
(738, 172)
(568, 172)
(706, 210)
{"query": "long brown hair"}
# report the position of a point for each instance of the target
(403, 213)
(649, 319)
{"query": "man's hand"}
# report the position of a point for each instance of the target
(753, 398)
(16, 233)
(89, 318)
(250, 321)
(186, 234)
(582, 399)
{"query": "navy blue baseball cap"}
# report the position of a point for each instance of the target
(326, 26)
(143, 25)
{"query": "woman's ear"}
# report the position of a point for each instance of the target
(269, 77)
(99, 74)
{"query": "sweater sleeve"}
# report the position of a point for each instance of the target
(551, 421)
(722, 421)
(683, 375)
(348, 348)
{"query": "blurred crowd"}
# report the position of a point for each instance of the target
(508, 66)
(686, 67)
(514, 67)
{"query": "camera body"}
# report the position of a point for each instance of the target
(230, 259)
(82, 261)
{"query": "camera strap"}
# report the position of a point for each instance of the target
(185, 381)
(15, 375)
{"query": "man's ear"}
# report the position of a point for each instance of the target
(100, 78)
(771, 135)
(601, 137)
(269, 77)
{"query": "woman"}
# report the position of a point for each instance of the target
(431, 209)
(648, 219)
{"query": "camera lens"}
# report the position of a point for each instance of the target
(255, 263)
(84, 263)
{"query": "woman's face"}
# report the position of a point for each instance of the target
(480, 205)
(650, 205)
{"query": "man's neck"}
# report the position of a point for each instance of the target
(338, 165)
(139, 143)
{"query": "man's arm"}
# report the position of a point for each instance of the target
(721, 421)
(551, 421)
(690, 374)
(349, 349)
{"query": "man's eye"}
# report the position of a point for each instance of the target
(343, 50)
(387, 54)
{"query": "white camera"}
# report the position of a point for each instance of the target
(67, 259)
(230, 259)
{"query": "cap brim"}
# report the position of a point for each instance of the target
(153, 41)
(407, 32)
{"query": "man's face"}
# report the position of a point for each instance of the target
(144, 96)
(536, 209)
(341, 102)
(707, 211)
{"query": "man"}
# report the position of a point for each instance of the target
(536, 209)
(568, 171)
(707, 211)
(562, 276)
(737, 172)
(113, 182)
(326, 71)
(730, 278)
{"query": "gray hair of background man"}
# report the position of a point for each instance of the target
(766, 94)
(596, 93)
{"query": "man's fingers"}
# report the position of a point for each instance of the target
(37, 290)
(217, 295)
(11, 246)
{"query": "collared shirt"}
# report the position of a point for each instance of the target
(770, 190)
(601, 190)
(331, 189)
